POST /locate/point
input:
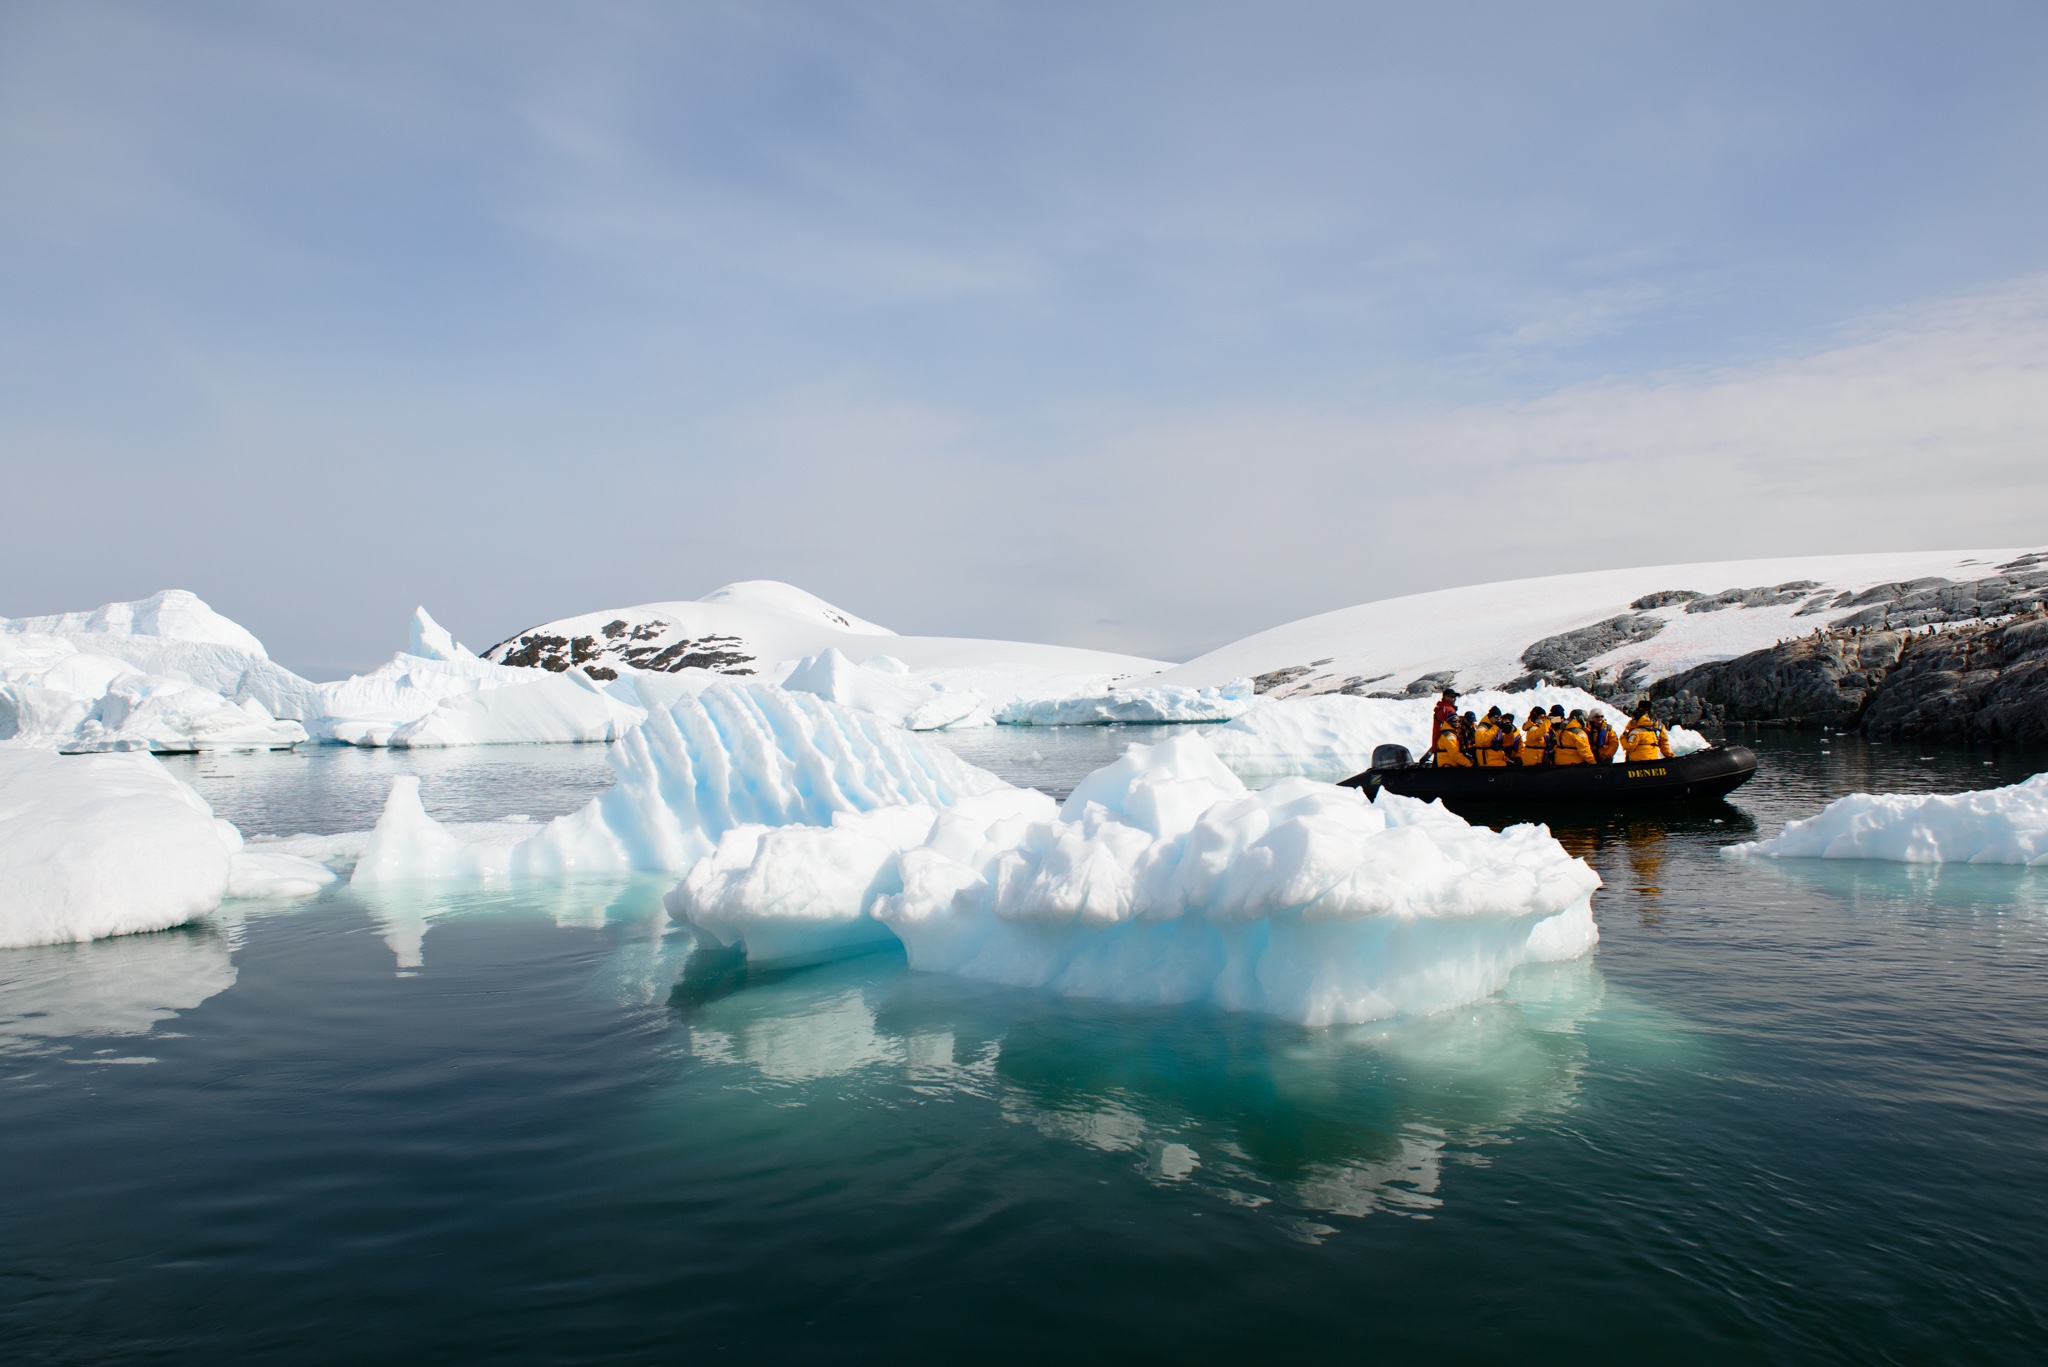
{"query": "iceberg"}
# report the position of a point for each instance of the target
(886, 687)
(164, 673)
(1138, 704)
(1332, 736)
(113, 844)
(1992, 826)
(437, 693)
(1164, 880)
(732, 755)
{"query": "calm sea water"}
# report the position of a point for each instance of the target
(1785, 1112)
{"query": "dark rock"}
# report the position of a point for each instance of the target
(1986, 682)
(1566, 651)
(1431, 683)
(1788, 592)
(1664, 598)
(1267, 682)
(1823, 681)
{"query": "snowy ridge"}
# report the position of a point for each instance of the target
(1994, 826)
(1631, 627)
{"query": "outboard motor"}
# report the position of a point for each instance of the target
(1390, 757)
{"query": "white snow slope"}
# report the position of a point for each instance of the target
(165, 673)
(1479, 633)
(761, 629)
(1993, 826)
(98, 845)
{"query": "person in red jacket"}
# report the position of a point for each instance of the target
(1446, 713)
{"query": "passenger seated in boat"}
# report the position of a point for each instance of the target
(1645, 738)
(1533, 731)
(1567, 744)
(1449, 752)
(1495, 741)
(1446, 712)
(1602, 737)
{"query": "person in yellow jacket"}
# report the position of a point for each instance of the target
(1491, 740)
(1602, 736)
(1567, 744)
(1533, 732)
(1645, 738)
(1449, 751)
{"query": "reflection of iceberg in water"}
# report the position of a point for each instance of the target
(118, 987)
(404, 912)
(1257, 1112)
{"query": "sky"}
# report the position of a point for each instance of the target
(1137, 326)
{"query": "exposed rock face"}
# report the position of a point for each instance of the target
(1818, 682)
(1750, 598)
(1982, 683)
(654, 644)
(1977, 681)
(1566, 651)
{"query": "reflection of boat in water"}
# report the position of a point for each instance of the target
(1704, 774)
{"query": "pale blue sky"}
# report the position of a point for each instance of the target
(1130, 325)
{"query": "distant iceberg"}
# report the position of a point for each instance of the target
(164, 673)
(1993, 826)
(1135, 704)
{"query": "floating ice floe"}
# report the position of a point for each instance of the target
(733, 755)
(1135, 704)
(99, 845)
(885, 686)
(165, 673)
(437, 693)
(1332, 736)
(1164, 880)
(1994, 826)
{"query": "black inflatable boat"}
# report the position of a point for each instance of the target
(1703, 774)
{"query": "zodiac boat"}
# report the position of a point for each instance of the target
(1710, 773)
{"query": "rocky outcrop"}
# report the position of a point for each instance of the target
(1972, 681)
(1820, 682)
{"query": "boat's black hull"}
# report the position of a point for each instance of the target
(1705, 774)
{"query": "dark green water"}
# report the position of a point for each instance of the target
(1785, 1112)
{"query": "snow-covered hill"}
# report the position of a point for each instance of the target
(752, 627)
(1621, 628)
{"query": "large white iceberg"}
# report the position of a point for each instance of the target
(1164, 880)
(1993, 826)
(164, 673)
(437, 693)
(1332, 736)
(733, 755)
(99, 845)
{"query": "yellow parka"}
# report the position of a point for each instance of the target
(1572, 745)
(1602, 736)
(1532, 740)
(1494, 741)
(1646, 738)
(1449, 754)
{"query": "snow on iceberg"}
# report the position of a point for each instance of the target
(437, 693)
(885, 686)
(1332, 736)
(733, 755)
(165, 673)
(1993, 826)
(1164, 880)
(1136, 704)
(98, 845)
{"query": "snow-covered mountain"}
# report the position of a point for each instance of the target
(1622, 629)
(751, 627)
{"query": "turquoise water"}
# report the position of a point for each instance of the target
(1785, 1112)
